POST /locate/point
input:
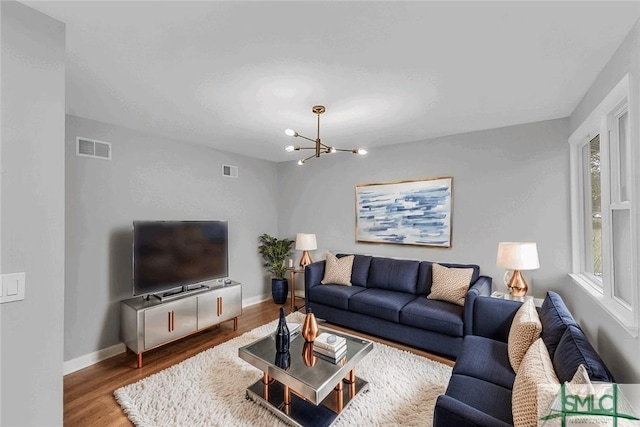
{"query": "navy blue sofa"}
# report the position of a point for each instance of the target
(388, 298)
(479, 392)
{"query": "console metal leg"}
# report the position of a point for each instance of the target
(139, 360)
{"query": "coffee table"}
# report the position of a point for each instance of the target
(303, 389)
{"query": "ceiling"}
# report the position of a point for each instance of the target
(234, 75)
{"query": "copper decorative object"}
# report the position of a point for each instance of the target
(310, 327)
(309, 358)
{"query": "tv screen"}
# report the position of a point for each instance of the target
(171, 254)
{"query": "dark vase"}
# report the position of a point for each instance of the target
(282, 334)
(279, 290)
(283, 360)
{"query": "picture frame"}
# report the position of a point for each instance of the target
(415, 212)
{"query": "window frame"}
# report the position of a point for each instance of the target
(604, 121)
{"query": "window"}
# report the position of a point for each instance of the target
(603, 220)
(593, 209)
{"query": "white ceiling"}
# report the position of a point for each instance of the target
(234, 75)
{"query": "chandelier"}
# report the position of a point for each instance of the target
(319, 147)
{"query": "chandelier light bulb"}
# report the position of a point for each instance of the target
(362, 151)
(290, 148)
(332, 149)
(300, 162)
(290, 132)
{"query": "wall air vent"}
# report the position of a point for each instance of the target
(230, 171)
(86, 147)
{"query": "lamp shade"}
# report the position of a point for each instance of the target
(518, 255)
(306, 242)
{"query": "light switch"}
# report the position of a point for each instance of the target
(12, 287)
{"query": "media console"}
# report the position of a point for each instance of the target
(147, 323)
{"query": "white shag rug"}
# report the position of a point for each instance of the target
(209, 389)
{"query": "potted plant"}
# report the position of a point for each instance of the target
(275, 252)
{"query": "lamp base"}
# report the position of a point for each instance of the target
(517, 285)
(305, 260)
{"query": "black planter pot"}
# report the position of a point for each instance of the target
(279, 290)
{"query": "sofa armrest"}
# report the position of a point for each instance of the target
(492, 317)
(481, 287)
(313, 274)
(451, 412)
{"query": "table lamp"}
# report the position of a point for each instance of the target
(517, 256)
(306, 243)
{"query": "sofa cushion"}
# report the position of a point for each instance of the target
(572, 351)
(525, 329)
(333, 295)
(535, 387)
(425, 275)
(450, 284)
(482, 395)
(485, 359)
(360, 270)
(432, 315)
(380, 303)
(555, 318)
(393, 274)
(337, 271)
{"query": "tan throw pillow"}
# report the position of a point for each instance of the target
(525, 329)
(450, 284)
(338, 270)
(535, 387)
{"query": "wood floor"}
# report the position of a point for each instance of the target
(88, 393)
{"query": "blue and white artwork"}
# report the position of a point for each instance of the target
(408, 212)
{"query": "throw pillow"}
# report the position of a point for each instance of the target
(337, 271)
(535, 387)
(450, 284)
(525, 329)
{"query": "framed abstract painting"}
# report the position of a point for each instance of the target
(405, 212)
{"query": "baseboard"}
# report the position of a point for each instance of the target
(255, 300)
(87, 360)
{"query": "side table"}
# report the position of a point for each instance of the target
(292, 285)
(505, 295)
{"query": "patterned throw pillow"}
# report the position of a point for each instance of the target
(450, 284)
(525, 329)
(337, 271)
(535, 387)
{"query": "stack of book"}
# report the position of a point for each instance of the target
(330, 347)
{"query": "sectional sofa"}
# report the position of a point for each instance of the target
(484, 386)
(388, 298)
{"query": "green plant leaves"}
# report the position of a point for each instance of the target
(275, 252)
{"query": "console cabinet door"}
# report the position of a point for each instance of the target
(218, 306)
(169, 321)
(230, 303)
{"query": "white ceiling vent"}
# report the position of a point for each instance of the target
(86, 147)
(230, 171)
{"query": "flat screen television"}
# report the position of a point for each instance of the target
(173, 254)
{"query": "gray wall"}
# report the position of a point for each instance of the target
(32, 219)
(617, 346)
(509, 184)
(150, 178)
